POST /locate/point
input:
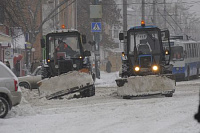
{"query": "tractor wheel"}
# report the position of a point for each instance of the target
(169, 95)
(88, 92)
(45, 73)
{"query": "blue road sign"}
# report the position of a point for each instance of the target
(96, 27)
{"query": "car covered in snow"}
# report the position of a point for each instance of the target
(30, 81)
(10, 92)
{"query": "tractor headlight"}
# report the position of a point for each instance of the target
(155, 68)
(137, 68)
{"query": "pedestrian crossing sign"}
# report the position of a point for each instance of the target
(96, 27)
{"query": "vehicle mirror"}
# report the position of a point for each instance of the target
(185, 53)
(165, 35)
(84, 39)
(87, 53)
(42, 42)
(121, 36)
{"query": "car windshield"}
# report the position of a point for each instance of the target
(65, 46)
(37, 71)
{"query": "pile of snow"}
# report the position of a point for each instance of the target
(25, 107)
(107, 79)
(144, 85)
(64, 82)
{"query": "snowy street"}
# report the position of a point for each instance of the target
(106, 112)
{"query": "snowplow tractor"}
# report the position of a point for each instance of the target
(145, 63)
(64, 54)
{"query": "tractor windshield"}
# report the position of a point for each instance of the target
(64, 46)
(146, 42)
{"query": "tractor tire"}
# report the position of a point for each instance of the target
(88, 92)
(45, 73)
(92, 91)
(4, 107)
(169, 95)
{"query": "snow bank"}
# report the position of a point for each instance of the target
(107, 79)
(144, 85)
(64, 82)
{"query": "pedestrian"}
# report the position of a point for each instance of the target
(108, 66)
(17, 68)
(8, 64)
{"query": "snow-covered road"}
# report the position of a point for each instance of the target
(107, 113)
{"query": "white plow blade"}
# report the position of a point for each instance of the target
(64, 82)
(146, 85)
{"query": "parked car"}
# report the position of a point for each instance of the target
(10, 92)
(30, 81)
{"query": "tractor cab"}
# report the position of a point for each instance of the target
(64, 52)
(145, 52)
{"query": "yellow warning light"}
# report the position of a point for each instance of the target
(48, 60)
(63, 26)
(142, 23)
(80, 57)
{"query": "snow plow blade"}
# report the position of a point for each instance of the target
(67, 83)
(146, 85)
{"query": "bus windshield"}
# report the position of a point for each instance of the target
(65, 46)
(177, 53)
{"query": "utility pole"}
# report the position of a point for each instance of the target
(154, 12)
(125, 22)
(124, 15)
(165, 15)
(176, 18)
(76, 13)
(97, 53)
(143, 10)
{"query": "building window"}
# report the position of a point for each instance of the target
(116, 32)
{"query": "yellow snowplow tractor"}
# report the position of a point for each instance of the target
(145, 63)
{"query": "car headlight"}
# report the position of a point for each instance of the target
(155, 68)
(137, 68)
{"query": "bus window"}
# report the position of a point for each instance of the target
(177, 53)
